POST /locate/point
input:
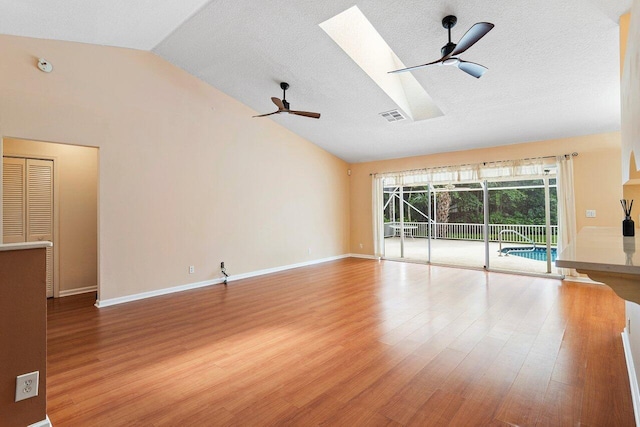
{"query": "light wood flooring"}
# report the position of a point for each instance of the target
(351, 342)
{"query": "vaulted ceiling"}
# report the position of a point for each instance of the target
(553, 65)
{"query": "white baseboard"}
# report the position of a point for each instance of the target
(77, 291)
(156, 293)
(364, 256)
(189, 286)
(44, 423)
(285, 267)
(633, 379)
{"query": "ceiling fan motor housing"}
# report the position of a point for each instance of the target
(447, 49)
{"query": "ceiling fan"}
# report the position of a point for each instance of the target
(450, 51)
(283, 105)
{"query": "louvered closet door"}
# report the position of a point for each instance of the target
(14, 228)
(40, 209)
(28, 205)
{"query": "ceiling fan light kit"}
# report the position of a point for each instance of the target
(284, 106)
(450, 51)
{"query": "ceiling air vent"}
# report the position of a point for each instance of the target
(393, 116)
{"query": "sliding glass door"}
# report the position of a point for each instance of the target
(458, 228)
(406, 221)
(502, 223)
(523, 218)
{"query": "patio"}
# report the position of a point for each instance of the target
(464, 253)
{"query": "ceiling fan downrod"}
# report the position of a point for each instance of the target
(284, 86)
(448, 22)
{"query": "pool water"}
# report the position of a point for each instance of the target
(539, 254)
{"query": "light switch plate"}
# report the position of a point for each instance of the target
(27, 385)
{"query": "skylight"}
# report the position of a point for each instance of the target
(353, 32)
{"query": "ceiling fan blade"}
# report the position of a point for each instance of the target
(471, 68)
(278, 103)
(470, 38)
(415, 67)
(305, 113)
(268, 114)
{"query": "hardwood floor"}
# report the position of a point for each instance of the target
(351, 342)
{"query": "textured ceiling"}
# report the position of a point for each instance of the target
(553, 65)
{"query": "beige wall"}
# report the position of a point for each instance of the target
(631, 189)
(77, 200)
(186, 176)
(630, 103)
(596, 176)
(624, 22)
(630, 88)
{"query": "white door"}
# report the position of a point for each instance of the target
(27, 204)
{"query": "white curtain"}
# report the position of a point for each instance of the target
(466, 173)
(566, 208)
(378, 219)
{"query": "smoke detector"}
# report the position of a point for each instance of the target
(45, 65)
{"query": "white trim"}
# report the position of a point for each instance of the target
(285, 267)
(633, 379)
(189, 286)
(77, 291)
(156, 293)
(365, 256)
(24, 245)
(44, 423)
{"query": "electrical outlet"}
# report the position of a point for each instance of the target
(192, 269)
(27, 385)
(360, 245)
(591, 213)
(309, 251)
(222, 264)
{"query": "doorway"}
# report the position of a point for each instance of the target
(75, 192)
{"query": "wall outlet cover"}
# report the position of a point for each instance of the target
(27, 385)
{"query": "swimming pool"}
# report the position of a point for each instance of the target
(539, 254)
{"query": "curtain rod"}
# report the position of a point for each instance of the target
(566, 156)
